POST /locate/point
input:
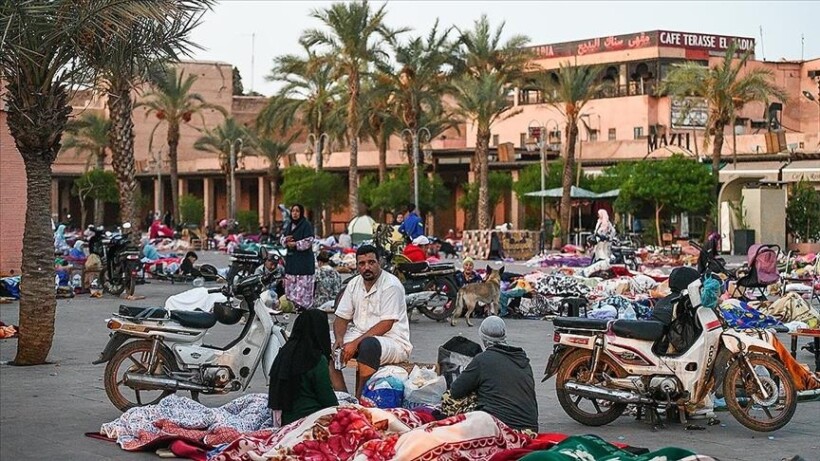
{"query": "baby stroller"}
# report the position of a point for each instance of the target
(762, 270)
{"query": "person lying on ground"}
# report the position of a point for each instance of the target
(187, 267)
(371, 321)
(299, 379)
(501, 377)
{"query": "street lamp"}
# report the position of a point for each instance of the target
(156, 160)
(232, 173)
(320, 145)
(538, 142)
(414, 135)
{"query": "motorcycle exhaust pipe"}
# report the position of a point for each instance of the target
(595, 392)
(144, 382)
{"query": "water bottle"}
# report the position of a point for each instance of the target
(628, 313)
(199, 282)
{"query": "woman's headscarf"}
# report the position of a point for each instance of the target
(604, 226)
(59, 239)
(300, 228)
(308, 342)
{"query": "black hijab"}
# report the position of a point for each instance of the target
(300, 228)
(308, 342)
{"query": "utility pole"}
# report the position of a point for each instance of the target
(414, 135)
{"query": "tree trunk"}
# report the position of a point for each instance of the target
(83, 212)
(717, 149)
(37, 301)
(566, 180)
(121, 140)
(173, 143)
(228, 194)
(353, 134)
(274, 189)
(482, 150)
(382, 157)
(99, 205)
(658, 224)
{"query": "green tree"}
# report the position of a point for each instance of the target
(219, 141)
(568, 94)
(488, 68)
(395, 192)
(238, 89)
(191, 210)
(247, 220)
(44, 52)
(313, 189)
(726, 91)
(310, 95)
(380, 122)
(274, 149)
(672, 185)
(172, 102)
(134, 59)
(88, 134)
(500, 183)
(354, 39)
(96, 184)
(803, 212)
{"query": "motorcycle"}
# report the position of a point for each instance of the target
(602, 366)
(153, 352)
(430, 288)
(121, 262)
(244, 262)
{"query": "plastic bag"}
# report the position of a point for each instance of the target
(423, 388)
(384, 392)
(454, 356)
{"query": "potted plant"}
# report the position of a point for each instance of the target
(556, 236)
(742, 237)
(803, 218)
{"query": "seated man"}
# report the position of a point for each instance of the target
(371, 321)
(417, 251)
(501, 376)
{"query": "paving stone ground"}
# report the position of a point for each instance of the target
(45, 410)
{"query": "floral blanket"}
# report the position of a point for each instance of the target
(370, 434)
(176, 417)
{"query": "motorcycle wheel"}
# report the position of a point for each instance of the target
(445, 293)
(133, 357)
(110, 287)
(744, 399)
(590, 412)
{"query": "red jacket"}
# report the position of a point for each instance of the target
(414, 253)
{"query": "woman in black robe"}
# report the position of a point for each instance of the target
(300, 264)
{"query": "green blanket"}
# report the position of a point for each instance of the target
(590, 447)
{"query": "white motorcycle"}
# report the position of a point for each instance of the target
(154, 352)
(604, 366)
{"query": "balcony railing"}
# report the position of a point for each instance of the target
(529, 96)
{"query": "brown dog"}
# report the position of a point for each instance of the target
(487, 293)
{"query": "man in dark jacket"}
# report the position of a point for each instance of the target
(501, 376)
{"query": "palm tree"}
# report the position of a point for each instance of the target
(43, 52)
(421, 81)
(568, 94)
(483, 101)
(355, 39)
(311, 94)
(725, 90)
(89, 135)
(136, 58)
(488, 68)
(172, 101)
(380, 121)
(274, 150)
(219, 141)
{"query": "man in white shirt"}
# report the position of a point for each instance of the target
(371, 321)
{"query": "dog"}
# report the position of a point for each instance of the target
(487, 293)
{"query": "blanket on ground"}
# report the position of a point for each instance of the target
(358, 433)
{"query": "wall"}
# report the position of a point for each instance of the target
(766, 214)
(12, 201)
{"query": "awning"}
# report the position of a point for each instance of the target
(767, 171)
(808, 170)
(575, 192)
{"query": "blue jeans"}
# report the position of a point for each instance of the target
(505, 299)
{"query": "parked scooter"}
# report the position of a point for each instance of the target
(154, 352)
(603, 366)
(121, 262)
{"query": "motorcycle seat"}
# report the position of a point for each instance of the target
(414, 268)
(646, 330)
(143, 312)
(580, 323)
(194, 319)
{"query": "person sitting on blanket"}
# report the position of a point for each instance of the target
(501, 377)
(371, 321)
(187, 267)
(299, 377)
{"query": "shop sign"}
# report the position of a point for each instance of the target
(656, 141)
(704, 41)
(691, 112)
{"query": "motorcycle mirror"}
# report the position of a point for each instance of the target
(126, 226)
(263, 252)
